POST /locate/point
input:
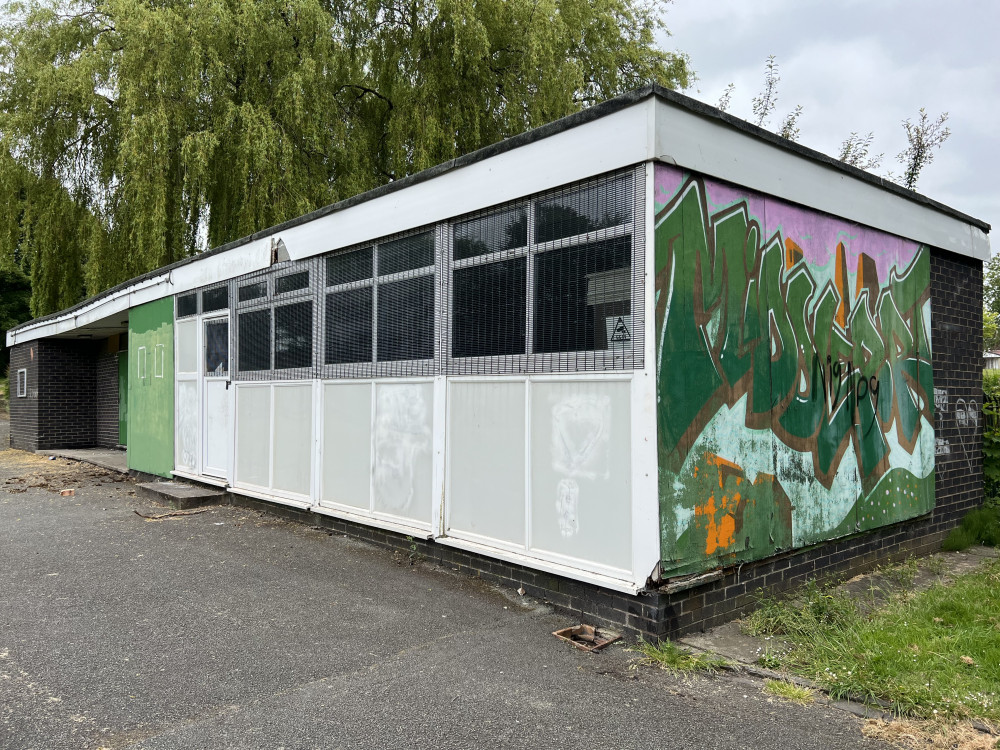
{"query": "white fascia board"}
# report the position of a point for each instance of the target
(608, 143)
(252, 256)
(717, 150)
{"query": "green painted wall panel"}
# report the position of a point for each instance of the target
(794, 379)
(151, 387)
(123, 398)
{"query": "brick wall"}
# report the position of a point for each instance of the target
(66, 387)
(106, 404)
(24, 411)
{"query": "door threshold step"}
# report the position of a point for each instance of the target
(180, 495)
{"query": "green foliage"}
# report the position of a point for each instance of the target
(980, 526)
(14, 306)
(923, 137)
(671, 657)
(136, 133)
(991, 330)
(789, 691)
(933, 654)
(991, 434)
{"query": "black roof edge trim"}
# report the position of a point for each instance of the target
(596, 112)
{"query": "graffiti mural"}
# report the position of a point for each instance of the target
(794, 378)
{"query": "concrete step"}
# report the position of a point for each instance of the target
(180, 495)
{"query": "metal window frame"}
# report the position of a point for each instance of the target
(401, 368)
(532, 362)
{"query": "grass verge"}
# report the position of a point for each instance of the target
(789, 692)
(668, 655)
(931, 655)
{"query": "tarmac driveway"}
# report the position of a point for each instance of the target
(230, 629)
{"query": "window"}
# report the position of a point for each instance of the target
(187, 304)
(217, 347)
(249, 292)
(215, 299)
(22, 383)
(291, 282)
(550, 281)
(379, 305)
(293, 335)
(254, 336)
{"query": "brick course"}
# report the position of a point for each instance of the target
(106, 404)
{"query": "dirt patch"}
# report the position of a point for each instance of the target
(929, 734)
(24, 471)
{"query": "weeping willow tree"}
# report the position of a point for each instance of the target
(136, 132)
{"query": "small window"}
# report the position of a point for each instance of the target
(406, 319)
(349, 326)
(291, 282)
(248, 292)
(503, 230)
(254, 350)
(293, 336)
(22, 383)
(187, 304)
(488, 309)
(345, 268)
(215, 299)
(217, 347)
(406, 254)
(600, 206)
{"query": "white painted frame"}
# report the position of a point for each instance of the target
(22, 382)
(202, 322)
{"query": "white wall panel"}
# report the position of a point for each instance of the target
(581, 471)
(187, 346)
(486, 422)
(347, 444)
(403, 441)
(253, 435)
(186, 454)
(293, 444)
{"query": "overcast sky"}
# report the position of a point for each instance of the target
(864, 65)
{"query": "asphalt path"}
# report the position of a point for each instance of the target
(232, 629)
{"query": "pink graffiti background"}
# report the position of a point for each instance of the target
(816, 233)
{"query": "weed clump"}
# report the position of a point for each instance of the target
(980, 526)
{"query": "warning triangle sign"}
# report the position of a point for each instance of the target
(621, 332)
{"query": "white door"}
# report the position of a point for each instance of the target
(216, 394)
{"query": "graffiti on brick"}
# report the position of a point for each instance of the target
(795, 349)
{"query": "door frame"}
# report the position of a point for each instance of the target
(203, 378)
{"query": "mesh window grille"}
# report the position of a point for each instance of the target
(217, 347)
(546, 284)
(215, 299)
(249, 292)
(187, 304)
(253, 349)
(293, 336)
(292, 282)
(379, 309)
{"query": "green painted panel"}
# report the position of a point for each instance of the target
(794, 378)
(123, 398)
(151, 387)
